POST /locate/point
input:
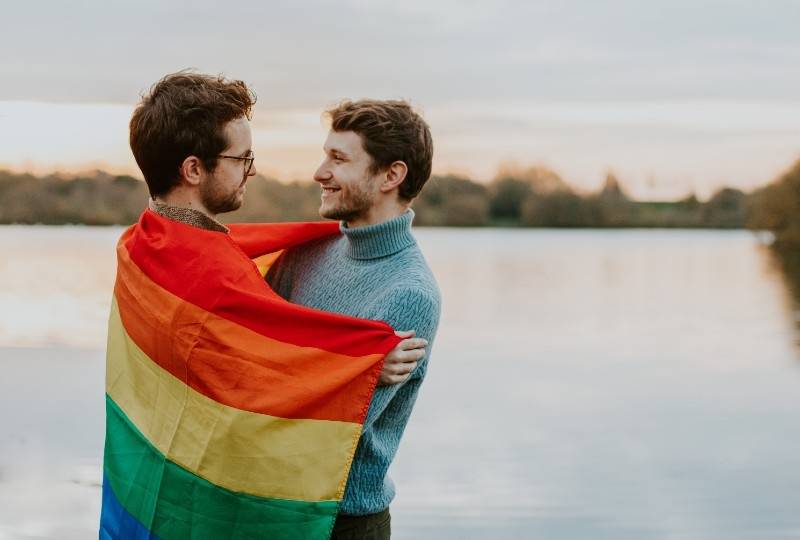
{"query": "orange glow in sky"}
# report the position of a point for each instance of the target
(659, 149)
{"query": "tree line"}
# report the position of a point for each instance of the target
(530, 197)
(776, 208)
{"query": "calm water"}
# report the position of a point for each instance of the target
(621, 385)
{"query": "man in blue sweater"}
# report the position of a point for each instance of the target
(378, 157)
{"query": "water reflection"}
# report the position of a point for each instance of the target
(584, 384)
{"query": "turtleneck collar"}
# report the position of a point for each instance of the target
(380, 239)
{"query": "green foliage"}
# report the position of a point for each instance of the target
(533, 197)
(776, 208)
(269, 200)
(452, 201)
(513, 187)
(98, 200)
(727, 209)
(507, 197)
(561, 209)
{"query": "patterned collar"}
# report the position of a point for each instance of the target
(188, 216)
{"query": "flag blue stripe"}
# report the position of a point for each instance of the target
(116, 523)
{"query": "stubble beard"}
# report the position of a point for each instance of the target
(354, 205)
(217, 201)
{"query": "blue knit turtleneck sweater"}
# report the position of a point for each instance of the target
(373, 272)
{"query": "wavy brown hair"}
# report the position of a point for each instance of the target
(184, 114)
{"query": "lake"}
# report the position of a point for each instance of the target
(584, 384)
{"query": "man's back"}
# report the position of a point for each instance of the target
(374, 272)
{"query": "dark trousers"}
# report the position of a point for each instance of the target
(369, 527)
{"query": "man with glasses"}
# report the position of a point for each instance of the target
(193, 169)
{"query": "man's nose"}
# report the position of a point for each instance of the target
(322, 174)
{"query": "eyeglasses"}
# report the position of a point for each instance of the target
(248, 161)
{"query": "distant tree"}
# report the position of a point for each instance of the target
(268, 199)
(513, 187)
(612, 188)
(452, 200)
(690, 201)
(726, 209)
(776, 208)
(507, 197)
(467, 210)
(541, 179)
(612, 206)
(561, 209)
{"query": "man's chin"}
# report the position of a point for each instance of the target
(326, 212)
(338, 214)
(231, 206)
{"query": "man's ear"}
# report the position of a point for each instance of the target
(192, 170)
(395, 175)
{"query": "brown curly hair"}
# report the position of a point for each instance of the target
(184, 115)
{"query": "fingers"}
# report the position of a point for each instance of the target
(402, 357)
(414, 355)
(405, 369)
(405, 333)
(397, 373)
(387, 380)
(400, 369)
(412, 343)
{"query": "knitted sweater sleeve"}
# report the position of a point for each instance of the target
(406, 309)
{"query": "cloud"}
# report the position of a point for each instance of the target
(302, 54)
(686, 93)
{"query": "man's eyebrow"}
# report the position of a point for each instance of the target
(337, 152)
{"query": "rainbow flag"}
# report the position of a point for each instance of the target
(230, 412)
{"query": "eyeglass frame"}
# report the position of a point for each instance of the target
(248, 161)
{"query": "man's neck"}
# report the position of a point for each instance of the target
(181, 199)
(379, 239)
(378, 214)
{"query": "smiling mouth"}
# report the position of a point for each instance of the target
(329, 190)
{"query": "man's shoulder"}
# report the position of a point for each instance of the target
(423, 296)
(411, 274)
(412, 292)
(410, 308)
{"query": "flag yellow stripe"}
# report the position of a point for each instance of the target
(265, 262)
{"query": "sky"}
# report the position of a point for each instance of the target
(673, 96)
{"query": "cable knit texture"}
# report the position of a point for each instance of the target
(374, 272)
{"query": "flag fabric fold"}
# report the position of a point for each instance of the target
(230, 412)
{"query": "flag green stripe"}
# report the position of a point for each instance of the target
(176, 504)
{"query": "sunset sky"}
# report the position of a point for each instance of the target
(673, 96)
